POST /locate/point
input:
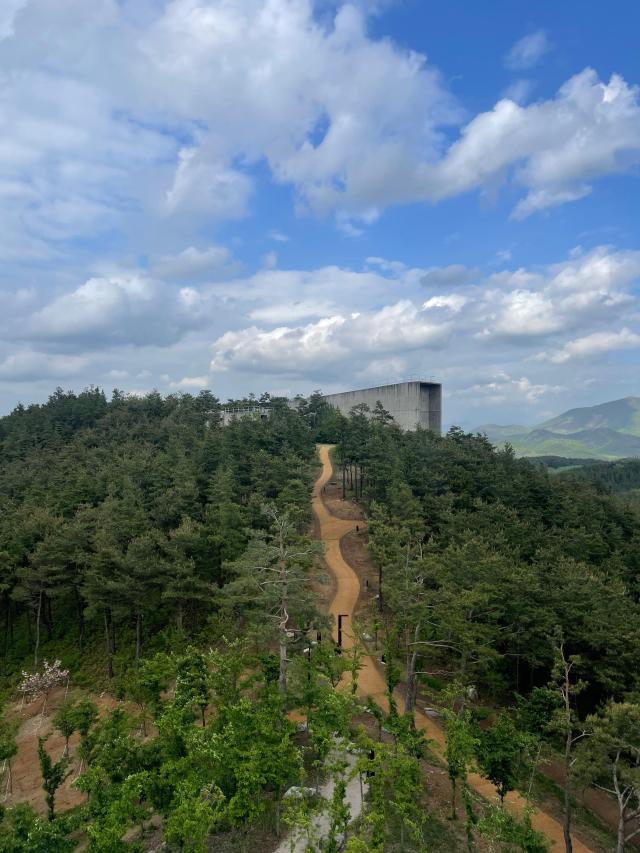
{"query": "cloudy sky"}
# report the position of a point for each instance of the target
(284, 195)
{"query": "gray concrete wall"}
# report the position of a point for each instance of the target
(411, 404)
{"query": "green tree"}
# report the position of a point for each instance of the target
(271, 585)
(461, 746)
(22, 831)
(192, 681)
(194, 816)
(508, 834)
(565, 723)
(53, 775)
(8, 748)
(499, 752)
(85, 713)
(65, 720)
(610, 759)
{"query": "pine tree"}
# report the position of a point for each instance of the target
(272, 585)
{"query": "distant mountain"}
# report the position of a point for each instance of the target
(496, 432)
(620, 415)
(607, 431)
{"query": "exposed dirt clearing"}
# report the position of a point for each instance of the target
(25, 767)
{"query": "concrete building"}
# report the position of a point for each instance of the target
(412, 404)
(257, 411)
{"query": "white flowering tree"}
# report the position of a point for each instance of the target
(41, 683)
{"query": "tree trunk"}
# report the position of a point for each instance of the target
(282, 677)
(8, 625)
(454, 816)
(380, 587)
(138, 637)
(27, 614)
(38, 614)
(410, 694)
(80, 609)
(107, 634)
(47, 616)
(566, 824)
(621, 838)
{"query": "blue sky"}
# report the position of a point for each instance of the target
(283, 195)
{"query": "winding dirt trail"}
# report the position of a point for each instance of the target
(370, 680)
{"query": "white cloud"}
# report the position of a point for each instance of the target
(191, 382)
(8, 11)
(543, 199)
(551, 148)
(32, 365)
(270, 260)
(211, 263)
(278, 236)
(519, 90)
(330, 341)
(118, 310)
(584, 290)
(594, 344)
(206, 185)
(291, 312)
(450, 276)
(454, 302)
(526, 52)
(113, 119)
(503, 388)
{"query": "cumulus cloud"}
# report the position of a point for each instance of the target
(167, 113)
(330, 341)
(526, 52)
(596, 343)
(552, 147)
(499, 339)
(9, 10)
(542, 199)
(450, 276)
(453, 302)
(118, 310)
(30, 365)
(584, 290)
(278, 236)
(190, 382)
(519, 90)
(503, 388)
(211, 263)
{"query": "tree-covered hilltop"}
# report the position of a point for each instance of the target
(118, 516)
(155, 554)
(620, 476)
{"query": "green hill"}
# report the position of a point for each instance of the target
(607, 431)
(619, 415)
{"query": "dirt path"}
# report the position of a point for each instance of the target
(353, 796)
(370, 680)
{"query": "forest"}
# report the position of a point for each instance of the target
(154, 557)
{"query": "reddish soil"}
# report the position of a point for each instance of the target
(25, 767)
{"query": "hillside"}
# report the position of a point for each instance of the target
(607, 431)
(147, 550)
(619, 415)
(621, 477)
